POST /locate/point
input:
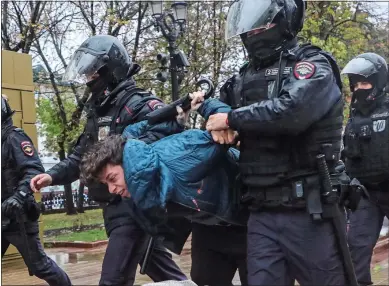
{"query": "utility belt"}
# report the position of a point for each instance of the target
(301, 193)
(307, 193)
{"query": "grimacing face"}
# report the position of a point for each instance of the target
(113, 177)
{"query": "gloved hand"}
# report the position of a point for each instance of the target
(14, 204)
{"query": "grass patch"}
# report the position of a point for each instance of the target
(58, 221)
(87, 236)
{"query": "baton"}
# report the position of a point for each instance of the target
(149, 250)
(169, 111)
(338, 225)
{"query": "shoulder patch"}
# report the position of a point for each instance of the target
(304, 70)
(27, 148)
(155, 104)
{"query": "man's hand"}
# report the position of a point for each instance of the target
(217, 122)
(13, 205)
(197, 99)
(40, 181)
(227, 136)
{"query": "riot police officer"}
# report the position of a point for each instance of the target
(20, 212)
(287, 109)
(104, 65)
(366, 151)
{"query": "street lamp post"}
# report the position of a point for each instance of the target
(172, 25)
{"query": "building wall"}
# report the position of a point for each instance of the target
(17, 84)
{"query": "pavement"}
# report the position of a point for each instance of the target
(83, 266)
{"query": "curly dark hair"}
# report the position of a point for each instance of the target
(107, 151)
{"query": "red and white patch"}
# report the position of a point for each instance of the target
(304, 70)
(27, 148)
(155, 104)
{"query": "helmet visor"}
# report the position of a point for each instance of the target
(360, 66)
(246, 15)
(83, 66)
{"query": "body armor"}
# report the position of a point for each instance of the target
(273, 161)
(367, 145)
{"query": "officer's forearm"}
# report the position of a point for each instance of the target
(65, 172)
(212, 106)
(290, 114)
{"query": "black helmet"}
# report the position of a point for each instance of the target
(369, 67)
(6, 111)
(247, 15)
(266, 27)
(102, 54)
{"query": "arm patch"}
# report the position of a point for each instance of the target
(155, 104)
(27, 148)
(304, 70)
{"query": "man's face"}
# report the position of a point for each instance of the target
(113, 177)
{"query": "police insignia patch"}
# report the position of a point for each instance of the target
(155, 104)
(27, 148)
(304, 70)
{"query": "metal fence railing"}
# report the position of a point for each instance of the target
(53, 201)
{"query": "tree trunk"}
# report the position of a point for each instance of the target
(70, 209)
(80, 201)
(69, 205)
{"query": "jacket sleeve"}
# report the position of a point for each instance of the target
(145, 132)
(212, 106)
(68, 170)
(301, 103)
(26, 159)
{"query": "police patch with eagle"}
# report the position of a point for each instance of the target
(27, 148)
(304, 70)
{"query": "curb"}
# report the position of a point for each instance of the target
(75, 244)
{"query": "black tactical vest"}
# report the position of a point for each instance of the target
(267, 161)
(104, 121)
(9, 175)
(367, 145)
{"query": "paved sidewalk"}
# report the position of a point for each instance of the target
(84, 266)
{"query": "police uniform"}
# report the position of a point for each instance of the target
(19, 163)
(125, 105)
(287, 113)
(288, 109)
(366, 141)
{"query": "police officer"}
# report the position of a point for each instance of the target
(366, 151)
(20, 212)
(115, 102)
(288, 109)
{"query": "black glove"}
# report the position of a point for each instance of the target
(14, 204)
(351, 196)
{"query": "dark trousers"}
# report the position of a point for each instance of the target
(217, 253)
(125, 250)
(42, 266)
(283, 246)
(364, 230)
